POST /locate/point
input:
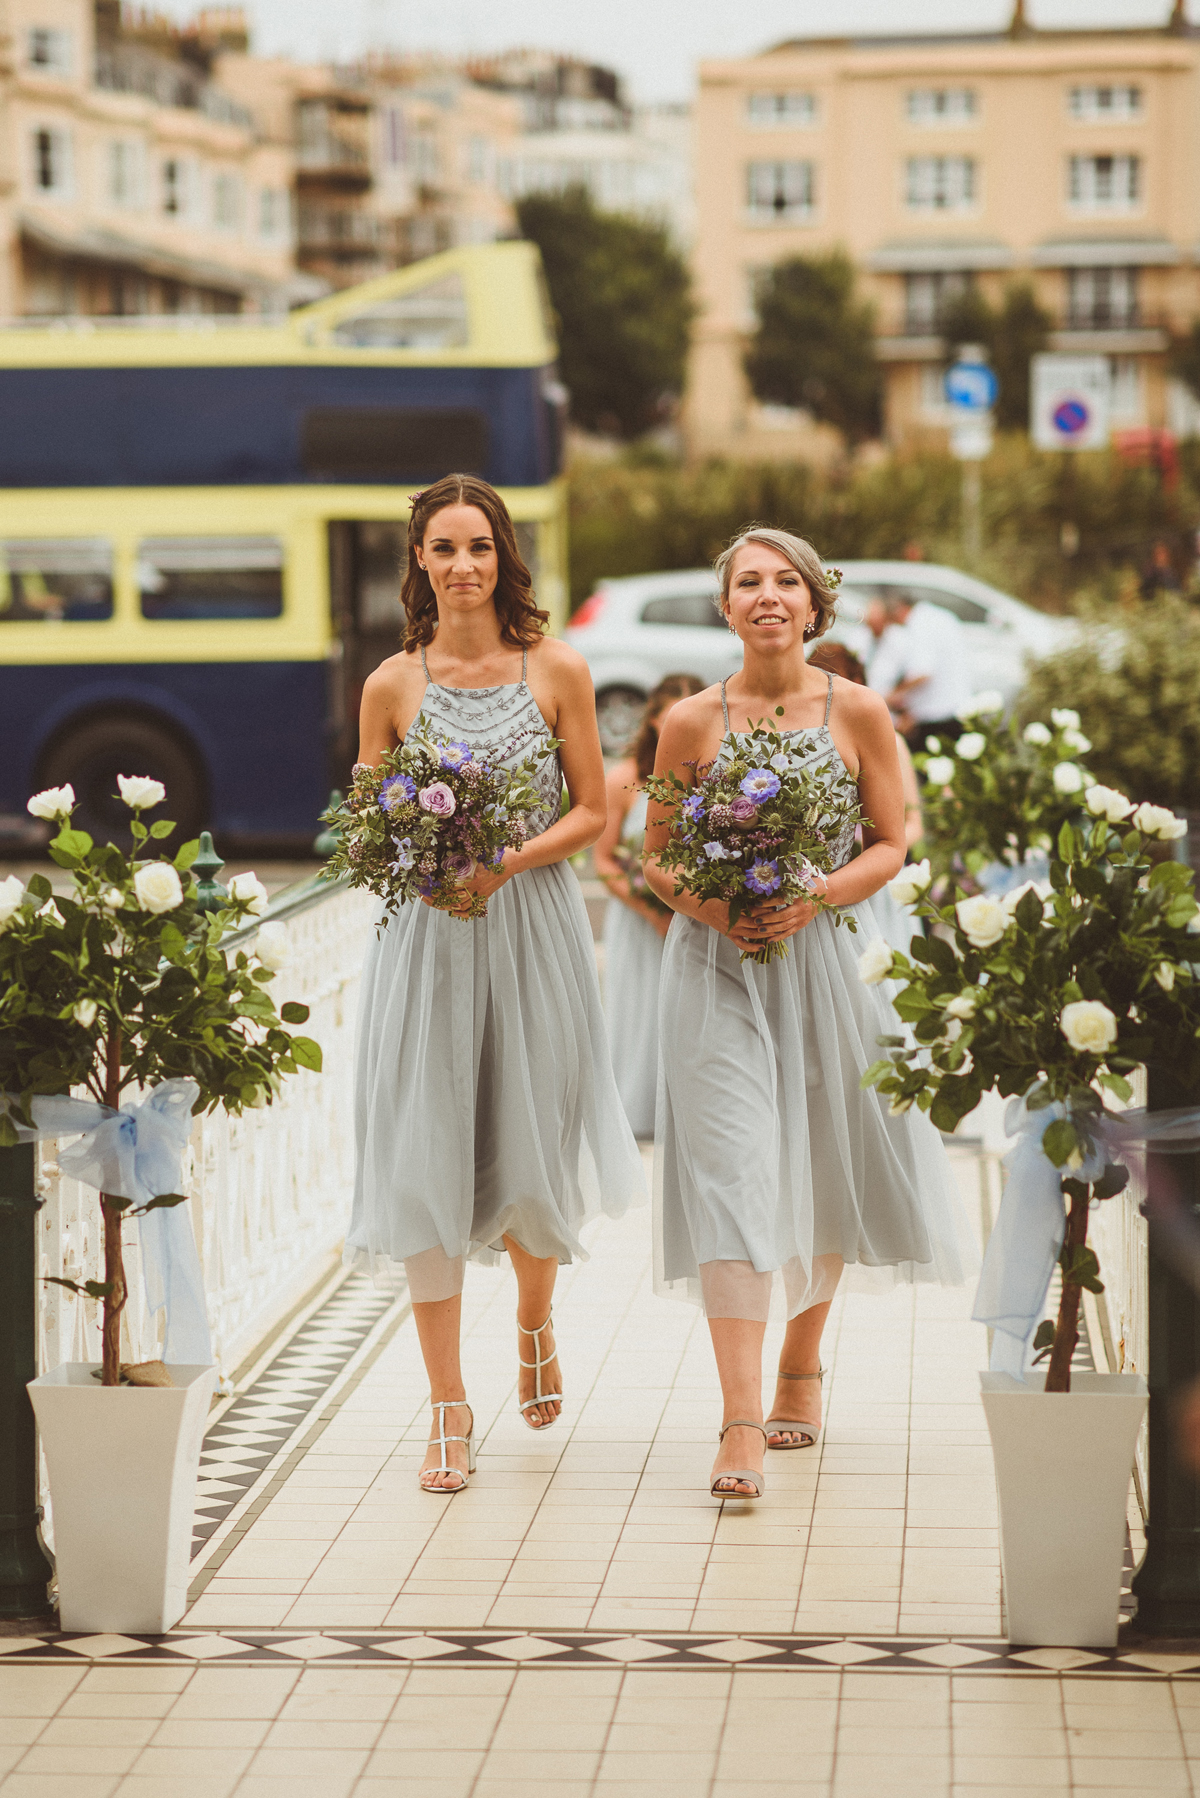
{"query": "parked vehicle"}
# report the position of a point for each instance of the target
(636, 630)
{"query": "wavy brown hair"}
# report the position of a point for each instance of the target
(644, 747)
(521, 623)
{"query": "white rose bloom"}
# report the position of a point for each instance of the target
(1037, 734)
(966, 1064)
(961, 1006)
(970, 746)
(1076, 741)
(11, 895)
(939, 771)
(875, 962)
(53, 802)
(1157, 821)
(251, 891)
(952, 1031)
(85, 1013)
(909, 885)
(1065, 719)
(113, 900)
(158, 887)
(983, 705)
(272, 946)
(140, 792)
(1068, 778)
(982, 920)
(1193, 924)
(1106, 802)
(933, 746)
(898, 1105)
(1088, 1026)
(51, 911)
(1042, 888)
(1164, 973)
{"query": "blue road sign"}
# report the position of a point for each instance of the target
(1072, 417)
(971, 387)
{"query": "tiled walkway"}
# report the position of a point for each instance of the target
(585, 1619)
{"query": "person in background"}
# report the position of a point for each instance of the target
(920, 665)
(1160, 576)
(636, 920)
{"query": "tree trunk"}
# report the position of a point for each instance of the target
(1066, 1330)
(112, 1213)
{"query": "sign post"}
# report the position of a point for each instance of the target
(971, 390)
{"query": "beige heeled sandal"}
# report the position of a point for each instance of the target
(796, 1426)
(749, 1476)
(441, 1406)
(539, 1361)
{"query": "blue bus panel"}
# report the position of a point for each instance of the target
(274, 426)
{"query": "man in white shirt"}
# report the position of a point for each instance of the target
(920, 665)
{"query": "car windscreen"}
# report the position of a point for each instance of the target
(683, 608)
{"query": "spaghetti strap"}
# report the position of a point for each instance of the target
(828, 704)
(724, 706)
(524, 664)
(425, 665)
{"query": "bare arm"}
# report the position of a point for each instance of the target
(914, 824)
(621, 787)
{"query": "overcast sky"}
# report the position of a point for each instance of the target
(655, 44)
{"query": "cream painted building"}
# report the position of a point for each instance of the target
(1070, 160)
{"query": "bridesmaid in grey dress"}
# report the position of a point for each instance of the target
(634, 927)
(771, 1157)
(486, 1115)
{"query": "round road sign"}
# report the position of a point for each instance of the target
(1072, 416)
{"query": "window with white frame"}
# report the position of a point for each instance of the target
(941, 105)
(1127, 400)
(126, 172)
(1104, 183)
(274, 214)
(176, 187)
(790, 110)
(1122, 101)
(781, 193)
(227, 201)
(49, 50)
(52, 161)
(1102, 299)
(926, 295)
(941, 183)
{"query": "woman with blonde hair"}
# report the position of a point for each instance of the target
(772, 1157)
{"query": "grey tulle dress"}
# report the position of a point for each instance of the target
(632, 960)
(484, 1097)
(770, 1158)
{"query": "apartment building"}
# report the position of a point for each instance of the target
(135, 183)
(1068, 159)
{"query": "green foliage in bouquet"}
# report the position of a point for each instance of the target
(124, 983)
(1003, 790)
(1056, 991)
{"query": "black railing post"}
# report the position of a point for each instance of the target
(24, 1568)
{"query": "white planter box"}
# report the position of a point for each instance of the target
(122, 1463)
(1063, 1461)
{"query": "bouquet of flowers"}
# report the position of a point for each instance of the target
(756, 825)
(628, 857)
(419, 823)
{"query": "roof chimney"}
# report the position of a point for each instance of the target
(1019, 26)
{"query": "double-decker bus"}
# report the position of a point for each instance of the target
(202, 524)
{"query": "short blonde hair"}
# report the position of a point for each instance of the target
(803, 558)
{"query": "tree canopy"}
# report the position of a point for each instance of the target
(1012, 334)
(815, 344)
(1185, 359)
(622, 294)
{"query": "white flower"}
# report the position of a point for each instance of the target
(970, 746)
(249, 889)
(910, 883)
(113, 900)
(1157, 821)
(1068, 778)
(961, 1006)
(933, 745)
(781, 763)
(898, 1105)
(139, 791)
(1193, 923)
(939, 771)
(983, 705)
(952, 1031)
(51, 911)
(1076, 741)
(875, 962)
(53, 802)
(1064, 718)
(272, 946)
(158, 887)
(85, 1012)
(966, 1064)
(1106, 802)
(1088, 1026)
(1037, 734)
(1164, 973)
(716, 852)
(982, 920)
(11, 895)
(1042, 888)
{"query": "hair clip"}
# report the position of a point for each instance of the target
(833, 578)
(416, 498)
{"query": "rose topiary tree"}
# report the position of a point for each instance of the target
(124, 984)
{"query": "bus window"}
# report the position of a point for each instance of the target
(433, 317)
(210, 577)
(55, 579)
(392, 443)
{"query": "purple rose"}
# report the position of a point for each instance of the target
(459, 864)
(741, 809)
(437, 799)
(398, 789)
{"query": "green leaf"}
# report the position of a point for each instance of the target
(1080, 1267)
(1066, 843)
(162, 827)
(1113, 1180)
(293, 1012)
(91, 1289)
(1116, 1084)
(39, 886)
(942, 955)
(307, 1053)
(1060, 1141)
(73, 842)
(164, 1201)
(1043, 1340)
(187, 854)
(1029, 912)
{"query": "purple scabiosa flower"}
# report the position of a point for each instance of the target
(760, 784)
(693, 806)
(454, 755)
(397, 790)
(741, 810)
(460, 864)
(437, 799)
(763, 877)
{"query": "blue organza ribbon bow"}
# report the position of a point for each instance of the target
(1031, 1224)
(136, 1153)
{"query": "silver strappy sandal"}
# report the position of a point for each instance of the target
(539, 1361)
(794, 1426)
(747, 1475)
(441, 1406)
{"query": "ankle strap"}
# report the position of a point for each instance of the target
(743, 1423)
(540, 1327)
(819, 1375)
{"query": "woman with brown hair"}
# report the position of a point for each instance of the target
(636, 920)
(487, 1118)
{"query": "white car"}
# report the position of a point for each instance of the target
(635, 631)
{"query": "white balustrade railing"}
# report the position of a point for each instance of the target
(269, 1191)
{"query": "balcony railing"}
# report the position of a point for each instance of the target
(340, 231)
(130, 69)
